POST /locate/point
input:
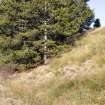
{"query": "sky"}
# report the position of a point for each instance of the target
(99, 8)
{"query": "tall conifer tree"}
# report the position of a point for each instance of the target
(22, 27)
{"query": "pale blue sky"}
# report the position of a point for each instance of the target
(99, 8)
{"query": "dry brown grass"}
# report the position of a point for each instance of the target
(76, 78)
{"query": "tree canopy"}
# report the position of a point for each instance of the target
(97, 23)
(22, 27)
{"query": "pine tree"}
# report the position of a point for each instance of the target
(22, 27)
(97, 23)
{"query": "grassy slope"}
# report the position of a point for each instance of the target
(75, 78)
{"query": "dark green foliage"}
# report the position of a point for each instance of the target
(22, 27)
(97, 23)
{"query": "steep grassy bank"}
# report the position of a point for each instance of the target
(75, 78)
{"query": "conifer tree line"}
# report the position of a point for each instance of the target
(22, 28)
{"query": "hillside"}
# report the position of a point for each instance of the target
(75, 78)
